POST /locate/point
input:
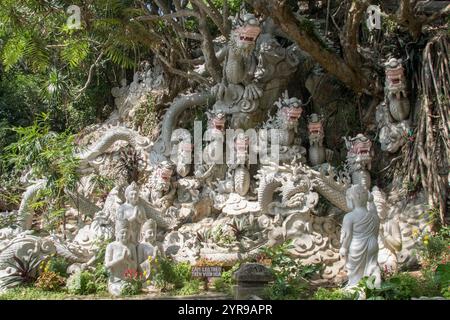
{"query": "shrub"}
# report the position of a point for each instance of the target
(133, 283)
(56, 264)
(85, 282)
(291, 276)
(401, 286)
(190, 288)
(333, 294)
(26, 271)
(49, 281)
(170, 274)
(225, 282)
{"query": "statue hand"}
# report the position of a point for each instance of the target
(343, 253)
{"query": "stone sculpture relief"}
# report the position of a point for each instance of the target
(224, 211)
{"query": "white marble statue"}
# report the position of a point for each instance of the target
(120, 256)
(132, 211)
(359, 237)
(147, 248)
(390, 237)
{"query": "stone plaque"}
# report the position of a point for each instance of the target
(207, 272)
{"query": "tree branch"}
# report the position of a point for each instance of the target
(334, 64)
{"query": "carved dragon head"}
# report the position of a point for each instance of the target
(289, 111)
(244, 34)
(359, 150)
(216, 121)
(315, 128)
(395, 77)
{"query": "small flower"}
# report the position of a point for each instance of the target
(425, 242)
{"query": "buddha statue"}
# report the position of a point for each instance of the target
(133, 212)
(147, 249)
(120, 256)
(359, 237)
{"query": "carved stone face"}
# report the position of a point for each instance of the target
(123, 236)
(149, 235)
(360, 149)
(291, 115)
(315, 129)
(133, 197)
(218, 122)
(395, 76)
(244, 37)
(391, 138)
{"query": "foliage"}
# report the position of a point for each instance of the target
(129, 163)
(169, 274)
(8, 220)
(25, 271)
(85, 282)
(190, 288)
(401, 286)
(51, 156)
(55, 264)
(225, 282)
(31, 293)
(290, 274)
(103, 186)
(333, 294)
(50, 281)
(133, 282)
(434, 248)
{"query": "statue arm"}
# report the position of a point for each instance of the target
(394, 237)
(346, 236)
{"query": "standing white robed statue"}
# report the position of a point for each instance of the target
(359, 237)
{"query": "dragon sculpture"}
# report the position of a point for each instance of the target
(392, 114)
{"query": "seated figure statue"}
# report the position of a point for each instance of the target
(120, 256)
(132, 211)
(359, 237)
(147, 247)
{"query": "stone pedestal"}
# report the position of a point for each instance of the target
(251, 278)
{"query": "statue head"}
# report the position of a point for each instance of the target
(379, 199)
(148, 231)
(244, 34)
(122, 231)
(289, 109)
(359, 149)
(357, 196)
(165, 170)
(132, 194)
(395, 75)
(315, 128)
(216, 120)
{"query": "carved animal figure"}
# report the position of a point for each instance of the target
(359, 159)
(395, 90)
